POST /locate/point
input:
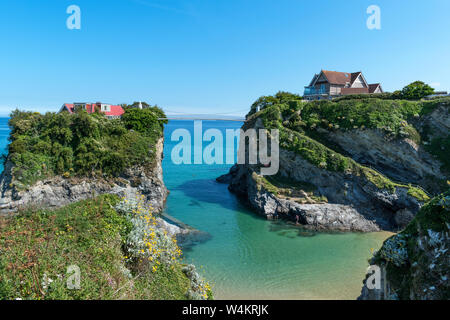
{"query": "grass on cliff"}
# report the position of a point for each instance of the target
(294, 138)
(440, 148)
(394, 117)
(38, 245)
(81, 144)
(325, 158)
(435, 215)
(365, 112)
(284, 187)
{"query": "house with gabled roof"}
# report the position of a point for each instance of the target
(109, 110)
(330, 84)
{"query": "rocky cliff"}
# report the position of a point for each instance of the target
(338, 202)
(404, 157)
(57, 191)
(352, 167)
(414, 264)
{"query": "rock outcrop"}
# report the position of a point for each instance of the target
(353, 204)
(414, 264)
(398, 157)
(358, 197)
(402, 160)
(57, 191)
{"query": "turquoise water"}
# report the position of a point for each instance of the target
(4, 133)
(248, 257)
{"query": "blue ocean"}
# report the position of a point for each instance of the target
(4, 134)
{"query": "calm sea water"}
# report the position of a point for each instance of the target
(4, 133)
(248, 257)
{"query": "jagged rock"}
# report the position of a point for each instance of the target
(399, 159)
(414, 264)
(354, 204)
(57, 191)
(403, 217)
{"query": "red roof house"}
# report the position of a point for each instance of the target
(110, 111)
(329, 84)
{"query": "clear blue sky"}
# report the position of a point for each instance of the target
(210, 56)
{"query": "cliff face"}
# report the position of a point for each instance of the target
(402, 158)
(415, 264)
(353, 166)
(58, 192)
(346, 202)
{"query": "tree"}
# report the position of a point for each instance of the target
(417, 90)
(135, 105)
(144, 121)
(267, 101)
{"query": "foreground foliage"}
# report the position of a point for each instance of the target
(40, 249)
(417, 259)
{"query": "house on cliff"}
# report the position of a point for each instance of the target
(110, 111)
(330, 84)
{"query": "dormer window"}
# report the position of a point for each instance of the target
(78, 106)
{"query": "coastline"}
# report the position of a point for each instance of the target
(250, 257)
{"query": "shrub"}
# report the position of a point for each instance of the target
(151, 248)
(146, 240)
(416, 91)
(87, 144)
(268, 101)
(394, 250)
(144, 121)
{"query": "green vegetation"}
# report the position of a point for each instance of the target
(38, 246)
(416, 260)
(413, 91)
(135, 104)
(325, 158)
(282, 187)
(440, 148)
(416, 90)
(384, 96)
(81, 144)
(268, 101)
(393, 116)
(296, 120)
(435, 215)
